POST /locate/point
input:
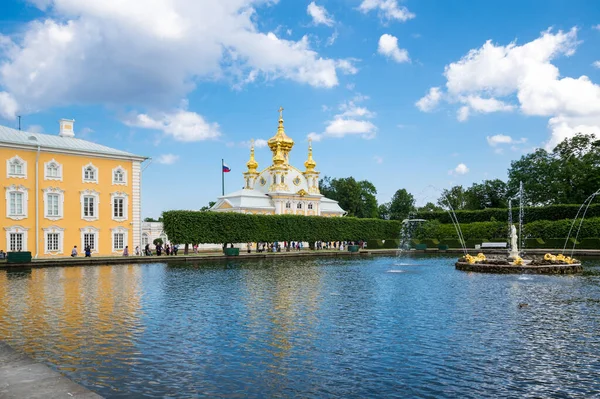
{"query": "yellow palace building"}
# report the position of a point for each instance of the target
(61, 191)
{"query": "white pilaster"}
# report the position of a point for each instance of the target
(136, 204)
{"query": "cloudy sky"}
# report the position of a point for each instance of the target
(408, 94)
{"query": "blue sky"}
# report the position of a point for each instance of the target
(406, 94)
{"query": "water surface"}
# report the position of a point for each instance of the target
(309, 328)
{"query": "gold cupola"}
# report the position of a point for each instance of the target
(310, 163)
(252, 164)
(278, 159)
(283, 140)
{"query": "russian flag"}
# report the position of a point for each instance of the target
(226, 168)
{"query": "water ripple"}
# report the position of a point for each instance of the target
(330, 328)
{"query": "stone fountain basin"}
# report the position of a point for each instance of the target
(526, 268)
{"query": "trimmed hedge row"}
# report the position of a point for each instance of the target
(552, 212)
(498, 231)
(221, 227)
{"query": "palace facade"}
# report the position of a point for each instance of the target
(280, 188)
(61, 191)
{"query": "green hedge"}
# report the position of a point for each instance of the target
(391, 243)
(374, 244)
(552, 212)
(221, 227)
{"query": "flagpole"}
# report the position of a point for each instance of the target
(222, 177)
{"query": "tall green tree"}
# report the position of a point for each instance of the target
(454, 197)
(488, 194)
(207, 208)
(567, 175)
(430, 207)
(401, 205)
(384, 211)
(355, 197)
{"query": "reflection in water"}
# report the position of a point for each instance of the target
(308, 328)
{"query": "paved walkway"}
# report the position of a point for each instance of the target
(22, 377)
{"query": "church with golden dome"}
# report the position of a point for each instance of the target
(280, 188)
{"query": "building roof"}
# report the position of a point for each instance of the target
(60, 144)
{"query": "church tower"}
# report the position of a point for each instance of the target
(312, 176)
(251, 175)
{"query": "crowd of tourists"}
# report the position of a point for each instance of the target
(299, 246)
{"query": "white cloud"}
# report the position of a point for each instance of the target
(319, 14)
(597, 27)
(151, 53)
(500, 139)
(461, 169)
(481, 105)
(596, 64)
(35, 129)
(346, 66)
(351, 120)
(485, 78)
(167, 159)
(180, 124)
(388, 46)
(463, 113)
(430, 101)
(260, 143)
(387, 9)
(378, 159)
(8, 106)
(331, 39)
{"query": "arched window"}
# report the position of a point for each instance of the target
(145, 239)
(299, 206)
(53, 171)
(119, 176)
(16, 167)
(90, 174)
(288, 205)
(310, 206)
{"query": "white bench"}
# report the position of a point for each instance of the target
(494, 245)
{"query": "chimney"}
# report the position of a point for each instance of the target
(66, 128)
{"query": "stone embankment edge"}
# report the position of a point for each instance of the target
(22, 377)
(119, 260)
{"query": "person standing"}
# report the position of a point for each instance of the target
(126, 251)
(137, 250)
(88, 251)
(74, 251)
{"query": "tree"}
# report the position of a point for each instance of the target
(355, 197)
(207, 208)
(430, 207)
(455, 197)
(158, 241)
(402, 204)
(384, 211)
(567, 175)
(488, 194)
(150, 220)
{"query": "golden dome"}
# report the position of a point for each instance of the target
(286, 143)
(310, 163)
(252, 164)
(278, 159)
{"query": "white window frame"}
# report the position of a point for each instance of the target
(125, 198)
(16, 230)
(95, 179)
(145, 239)
(299, 205)
(90, 230)
(288, 205)
(310, 206)
(96, 195)
(61, 239)
(23, 163)
(119, 230)
(124, 174)
(17, 189)
(61, 201)
(59, 168)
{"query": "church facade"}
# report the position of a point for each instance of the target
(280, 188)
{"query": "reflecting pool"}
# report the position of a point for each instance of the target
(309, 328)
